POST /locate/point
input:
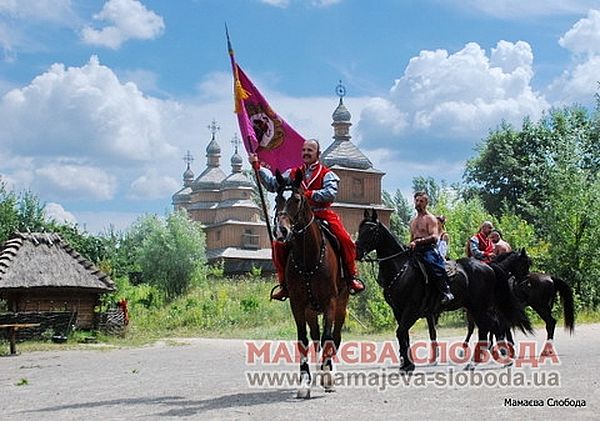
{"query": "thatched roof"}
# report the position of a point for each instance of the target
(45, 260)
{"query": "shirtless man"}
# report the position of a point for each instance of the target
(424, 236)
(500, 246)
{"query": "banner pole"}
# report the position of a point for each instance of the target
(262, 197)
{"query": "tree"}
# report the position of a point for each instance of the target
(429, 186)
(513, 168)
(171, 251)
(548, 173)
(22, 212)
(402, 214)
(574, 232)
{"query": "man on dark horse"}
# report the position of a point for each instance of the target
(424, 236)
(480, 246)
(320, 186)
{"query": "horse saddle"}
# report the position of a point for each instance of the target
(519, 288)
(335, 243)
(451, 270)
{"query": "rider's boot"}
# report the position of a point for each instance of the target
(279, 293)
(447, 296)
(355, 285)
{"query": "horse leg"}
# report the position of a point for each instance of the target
(431, 322)
(315, 334)
(484, 327)
(406, 322)
(546, 315)
(339, 320)
(470, 329)
(328, 347)
(303, 347)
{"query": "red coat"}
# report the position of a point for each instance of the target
(314, 183)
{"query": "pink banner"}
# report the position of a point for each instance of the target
(264, 132)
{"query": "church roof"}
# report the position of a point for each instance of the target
(231, 203)
(213, 147)
(237, 179)
(182, 195)
(239, 253)
(188, 174)
(345, 154)
(341, 113)
(211, 178)
(45, 260)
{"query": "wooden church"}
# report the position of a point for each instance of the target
(236, 233)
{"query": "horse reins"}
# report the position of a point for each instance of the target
(383, 259)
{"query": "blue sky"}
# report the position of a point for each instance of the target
(100, 100)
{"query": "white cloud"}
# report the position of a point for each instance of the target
(99, 222)
(153, 185)
(458, 95)
(324, 3)
(17, 17)
(584, 36)
(56, 212)
(314, 3)
(126, 19)
(85, 111)
(64, 180)
(520, 9)
(56, 11)
(579, 82)
(276, 3)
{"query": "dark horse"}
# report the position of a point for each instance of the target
(313, 279)
(539, 291)
(475, 286)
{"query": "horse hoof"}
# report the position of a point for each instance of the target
(548, 350)
(303, 394)
(407, 369)
(327, 381)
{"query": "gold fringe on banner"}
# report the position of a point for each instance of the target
(240, 95)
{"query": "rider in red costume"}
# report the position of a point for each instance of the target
(320, 186)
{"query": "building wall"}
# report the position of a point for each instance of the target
(205, 196)
(237, 213)
(58, 299)
(237, 235)
(351, 218)
(205, 216)
(239, 193)
(359, 187)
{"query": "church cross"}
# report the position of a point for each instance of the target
(188, 158)
(214, 128)
(235, 141)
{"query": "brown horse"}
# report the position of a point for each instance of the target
(313, 280)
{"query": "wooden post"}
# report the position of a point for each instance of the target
(12, 333)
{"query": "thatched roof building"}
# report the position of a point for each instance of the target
(41, 272)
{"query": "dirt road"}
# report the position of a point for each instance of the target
(208, 379)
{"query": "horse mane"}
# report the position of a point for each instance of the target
(502, 257)
(397, 242)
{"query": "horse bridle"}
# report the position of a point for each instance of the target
(380, 259)
(294, 230)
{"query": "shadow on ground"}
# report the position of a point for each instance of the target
(181, 407)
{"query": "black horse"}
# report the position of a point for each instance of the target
(539, 291)
(475, 286)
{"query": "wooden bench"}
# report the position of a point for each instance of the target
(12, 333)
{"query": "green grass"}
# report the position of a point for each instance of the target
(240, 308)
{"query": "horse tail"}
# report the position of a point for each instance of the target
(566, 298)
(506, 302)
